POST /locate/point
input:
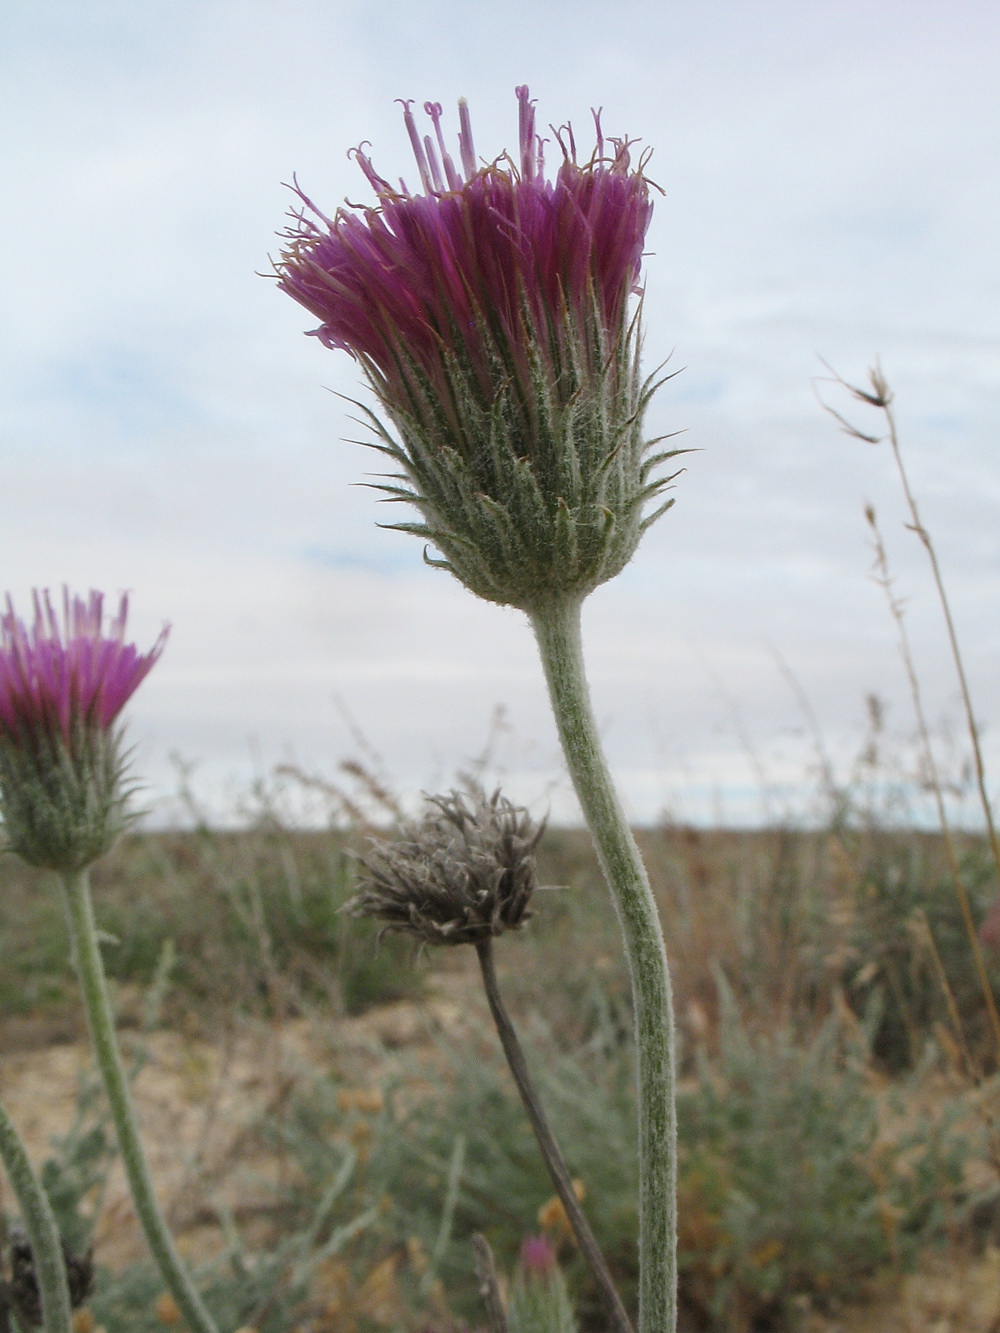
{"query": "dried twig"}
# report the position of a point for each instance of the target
(489, 1288)
(585, 1238)
(880, 396)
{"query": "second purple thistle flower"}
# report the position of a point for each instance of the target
(63, 684)
(492, 315)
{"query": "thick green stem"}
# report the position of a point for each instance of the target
(90, 969)
(43, 1234)
(557, 628)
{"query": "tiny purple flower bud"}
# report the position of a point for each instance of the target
(538, 1258)
(538, 1297)
(62, 687)
(491, 316)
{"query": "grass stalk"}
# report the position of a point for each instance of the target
(884, 580)
(880, 396)
(917, 526)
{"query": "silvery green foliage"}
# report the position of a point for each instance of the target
(63, 805)
(531, 494)
(463, 873)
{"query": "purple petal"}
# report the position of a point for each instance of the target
(61, 674)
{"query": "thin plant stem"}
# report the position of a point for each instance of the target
(451, 1197)
(557, 629)
(934, 777)
(880, 396)
(40, 1224)
(926, 937)
(956, 652)
(512, 1049)
(90, 969)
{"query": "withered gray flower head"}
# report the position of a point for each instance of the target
(23, 1291)
(463, 873)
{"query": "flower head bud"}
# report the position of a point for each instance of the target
(62, 687)
(463, 873)
(539, 1301)
(491, 315)
(538, 1256)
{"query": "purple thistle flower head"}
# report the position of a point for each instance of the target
(63, 684)
(492, 251)
(60, 676)
(491, 313)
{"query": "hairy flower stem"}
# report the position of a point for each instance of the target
(87, 958)
(557, 628)
(546, 1142)
(43, 1234)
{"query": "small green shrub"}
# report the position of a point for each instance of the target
(789, 1189)
(902, 891)
(792, 1190)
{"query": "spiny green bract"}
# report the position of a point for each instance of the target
(539, 1303)
(64, 806)
(539, 494)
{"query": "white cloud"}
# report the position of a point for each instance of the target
(828, 189)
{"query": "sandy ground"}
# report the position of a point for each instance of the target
(199, 1104)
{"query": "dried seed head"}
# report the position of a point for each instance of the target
(463, 873)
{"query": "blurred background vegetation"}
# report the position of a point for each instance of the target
(838, 1093)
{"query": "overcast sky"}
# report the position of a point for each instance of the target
(830, 177)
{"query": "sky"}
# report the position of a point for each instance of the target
(830, 189)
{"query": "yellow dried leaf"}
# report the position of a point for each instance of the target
(552, 1215)
(166, 1309)
(767, 1253)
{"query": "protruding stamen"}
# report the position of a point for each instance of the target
(568, 153)
(622, 158)
(599, 154)
(454, 180)
(117, 629)
(417, 146)
(465, 145)
(377, 182)
(526, 132)
(432, 161)
(309, 203)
